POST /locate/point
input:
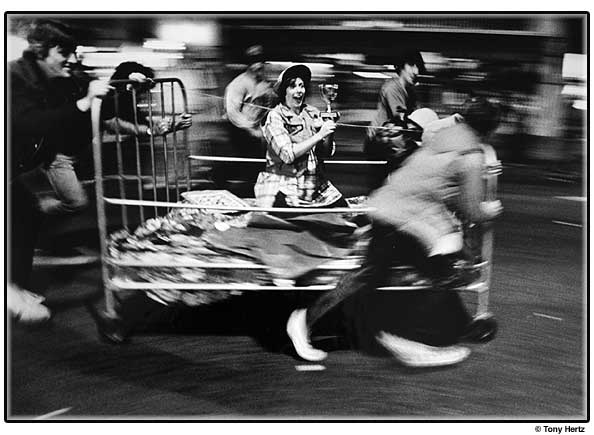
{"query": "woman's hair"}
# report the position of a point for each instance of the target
(123, 71)
(410, 57)
(481, 115)
(45, 34)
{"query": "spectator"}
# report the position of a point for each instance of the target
(397, 99)
(44, 122)
(247, 98)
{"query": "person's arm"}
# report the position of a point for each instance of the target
(278, 137)
(97, 89)
(234, 97)
(29, 114)
(114, 125)
(470, 167)
(394, 100)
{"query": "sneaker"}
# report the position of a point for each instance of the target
(26, 307)
(414, 354)
(299, 335)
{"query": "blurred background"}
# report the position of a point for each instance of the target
(533, 64)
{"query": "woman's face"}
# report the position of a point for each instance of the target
(295, 94)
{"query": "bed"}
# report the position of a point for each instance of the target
(161, 235)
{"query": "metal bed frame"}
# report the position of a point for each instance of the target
(160, 202)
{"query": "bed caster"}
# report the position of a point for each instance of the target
(109, 329)
(481, 330)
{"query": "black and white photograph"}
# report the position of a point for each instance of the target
(297, 217)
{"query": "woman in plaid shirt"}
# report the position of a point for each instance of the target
(296, 136)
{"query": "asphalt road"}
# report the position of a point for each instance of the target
(535, 369)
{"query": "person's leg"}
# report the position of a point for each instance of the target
(372, 273)
(70, 194)
(25, 219)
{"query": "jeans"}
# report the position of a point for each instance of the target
(436, 317)
(70, 196)
(386, 247)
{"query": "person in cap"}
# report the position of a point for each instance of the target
(49, 114)
(413, 223)
(397, 99)
(297, 138)
(247, 99)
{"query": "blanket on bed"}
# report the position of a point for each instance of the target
(288, 249)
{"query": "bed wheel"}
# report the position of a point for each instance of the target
(481, 330)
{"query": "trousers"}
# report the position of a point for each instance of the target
(70, 196)
(25, 221)
(387, 246)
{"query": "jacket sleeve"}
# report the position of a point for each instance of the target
(394, 100)
(30, 115)
(278, 137)
(470, 169)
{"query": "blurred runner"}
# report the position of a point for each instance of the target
(414, 224)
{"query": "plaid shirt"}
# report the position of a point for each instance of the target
(300, 179)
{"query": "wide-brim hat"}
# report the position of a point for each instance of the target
(292, 72)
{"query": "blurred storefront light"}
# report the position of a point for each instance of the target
(574, 66)
(158, 44)
(317, 69)
(371, 75)
(206, 34)
(580, 105)
(15, 46)
(110, 59)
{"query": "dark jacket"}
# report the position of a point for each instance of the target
(43, 115)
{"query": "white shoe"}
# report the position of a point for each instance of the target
(25, 306)
(414, 354)
(297, 331)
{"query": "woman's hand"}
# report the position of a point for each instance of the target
(184, 122)
(137, 77)
(327, 129)
(162, 126)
